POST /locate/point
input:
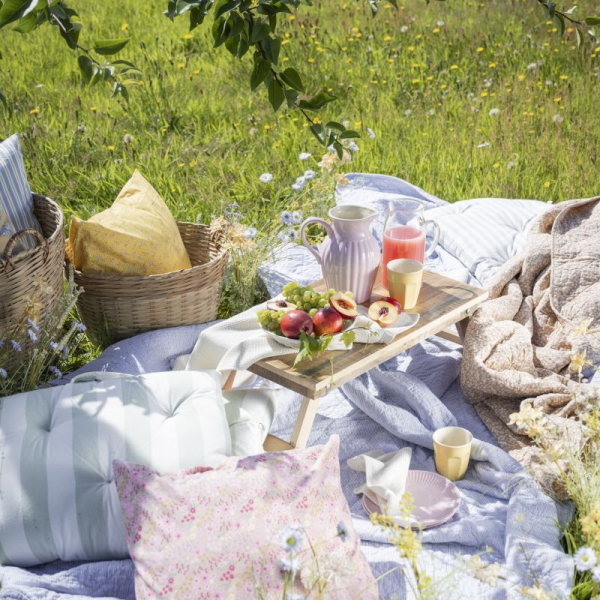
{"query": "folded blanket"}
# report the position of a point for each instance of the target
(520, 343)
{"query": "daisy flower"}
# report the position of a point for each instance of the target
(596, 574)
(291, 538)
(286, 217)
(309, 175)
(585, 559)
(283, 237)
(289, 564)
(266, 178)
(299, 184)
(293, 235)
(297, 217)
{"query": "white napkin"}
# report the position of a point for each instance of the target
(385, 477)
(239, 342)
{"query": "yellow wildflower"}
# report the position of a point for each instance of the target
(557, 99)
(125, 27)
(181, 65)
(410, 48)
(564, 77)
(93, 108)
(583, 328)
(34, 111)
(496, 165)
(492, 65)
(188, 36)
(436, 30)
(387, 38)
(521, 77)
(341, 180)
(311, 60)
(480, 49)
(546, 184)
(454, 67)
(578, 361)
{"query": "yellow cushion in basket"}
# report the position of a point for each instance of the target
(137, 235)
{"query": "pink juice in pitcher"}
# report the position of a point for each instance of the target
(402, 241)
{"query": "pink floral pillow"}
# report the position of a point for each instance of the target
(271, 526)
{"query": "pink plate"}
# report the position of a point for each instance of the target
(436, 499)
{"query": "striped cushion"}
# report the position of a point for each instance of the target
(57, 447)
(250, 413)
(16, 202)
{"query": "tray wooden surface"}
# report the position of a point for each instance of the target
(442, 302)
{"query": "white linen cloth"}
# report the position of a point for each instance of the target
(239, 342)
(385, 478)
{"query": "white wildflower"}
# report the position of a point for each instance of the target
(557, 119)
(596, 574)
(407, 112)
(440, 23)
(404, 29)
(585, 559)
(251, 233)
(289, 564)
(532, 66)
(127, 138)
(549, 82)
(266, 178)
(494, 112)
(371, 133)
(511, 164)
(299, 184)
(305, 155)
(291, 536)
(483, 145)
(309, 175)
(353, 146)
(297, 217)
(333, 570)
(431, 112)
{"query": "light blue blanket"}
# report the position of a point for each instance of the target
(398, 404)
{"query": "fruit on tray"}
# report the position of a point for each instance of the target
(271, 320)
(295, 322)
(280, 304)
(383, 313)
(327, 321)
(306, 298)
(344, 305)
(394, 302)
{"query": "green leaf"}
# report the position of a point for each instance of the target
(561, 23)
(579, 37)
(374, 6)
(318, 101)
(335, 125)
(292, 78)
(13, 10)
(272, 48)
(87, 67)
(291, 96)
(260, 30)
(107, 47)
(276, 94)
(198, 13)
(120, 90)
(260, 72)
(349, 134)
(243, 47)
(27, 24)
(318, 131)
(232, 45)
(591, 21)
(339, 149)
(348, 337)
(3, 100)
(228, 6)
(311, 346)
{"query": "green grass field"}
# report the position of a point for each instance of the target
(203, 139)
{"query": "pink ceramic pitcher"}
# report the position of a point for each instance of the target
(350, 255)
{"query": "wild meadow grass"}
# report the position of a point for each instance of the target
(466, 99)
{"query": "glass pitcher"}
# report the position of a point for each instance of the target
(405, 232)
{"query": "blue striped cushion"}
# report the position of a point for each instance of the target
(16, 202)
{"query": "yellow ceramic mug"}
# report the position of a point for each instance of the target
(404, 281)
(452, 448)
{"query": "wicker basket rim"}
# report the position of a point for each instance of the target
(134, 278)
(58, 230)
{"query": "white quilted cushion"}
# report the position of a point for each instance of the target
(58, 499)
(483, 234)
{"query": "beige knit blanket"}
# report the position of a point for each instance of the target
(519, 344)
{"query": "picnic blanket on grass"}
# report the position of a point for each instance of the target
(519, 343)
(398, 404)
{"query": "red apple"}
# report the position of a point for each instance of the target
(394, 302)
(327, 321)
(344, 306)
(383, 313)
(295, 322)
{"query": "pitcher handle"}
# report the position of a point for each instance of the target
(436, 237)
(312, 249)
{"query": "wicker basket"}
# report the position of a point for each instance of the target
(114, 307)
(21, 275)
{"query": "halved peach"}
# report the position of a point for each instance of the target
(394, 302)
(383, 313)
(344, 306)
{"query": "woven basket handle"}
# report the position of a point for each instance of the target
(14, 240)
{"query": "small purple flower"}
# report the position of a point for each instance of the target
(309, 174)
(1, 344)
(266, 178)
(296, 217)
(79, 326)
(32, 336)
(299, 184)
(55, 371)
(65, 352)
(3, 373)
(342, 531)
(54, 346)
(15, 345)
(292, 234)
(283, 237)
(286, 217)
(251, 233)
(33, 325)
